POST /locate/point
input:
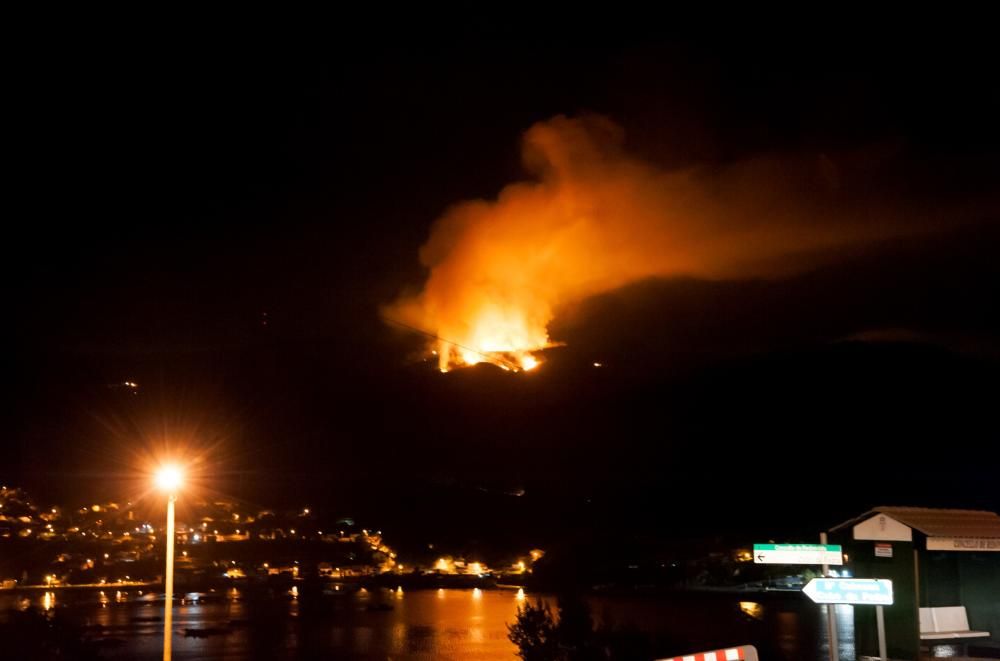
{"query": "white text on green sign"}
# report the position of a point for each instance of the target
(798, 554)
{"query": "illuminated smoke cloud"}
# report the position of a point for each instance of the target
(592, 219)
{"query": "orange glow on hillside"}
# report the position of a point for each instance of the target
(593, 219)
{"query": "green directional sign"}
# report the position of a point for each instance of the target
(798, 554)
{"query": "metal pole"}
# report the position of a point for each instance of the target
(880, 616)
(168, 614)
(831, 615)
(916, 591)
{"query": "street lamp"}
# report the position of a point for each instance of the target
(168, 479)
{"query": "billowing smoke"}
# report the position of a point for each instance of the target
(593, 219)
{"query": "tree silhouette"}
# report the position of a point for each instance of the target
(534, 632)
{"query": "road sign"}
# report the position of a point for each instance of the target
(798, 554)
(856, 591)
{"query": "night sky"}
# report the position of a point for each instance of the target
(220, 219)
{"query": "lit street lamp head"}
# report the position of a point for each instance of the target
(169, 478)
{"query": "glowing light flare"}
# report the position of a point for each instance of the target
(169, 478)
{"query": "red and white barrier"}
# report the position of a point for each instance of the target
(744, 653)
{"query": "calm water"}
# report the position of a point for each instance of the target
(422, 624)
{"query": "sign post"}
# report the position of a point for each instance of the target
(831, 614)
(880, 617)
(806, 554)
(858, 592)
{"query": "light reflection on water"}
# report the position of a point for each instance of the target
(415, 624)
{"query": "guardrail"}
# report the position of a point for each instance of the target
(743, 653)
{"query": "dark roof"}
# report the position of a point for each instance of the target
(938, 522)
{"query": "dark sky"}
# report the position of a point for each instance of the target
(167, 193)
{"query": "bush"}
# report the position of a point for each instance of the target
(534, 632)
(540, 636)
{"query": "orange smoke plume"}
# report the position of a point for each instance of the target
(593, 219)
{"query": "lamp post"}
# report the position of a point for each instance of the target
(169, 479)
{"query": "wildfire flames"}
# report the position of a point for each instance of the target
(593, 219)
